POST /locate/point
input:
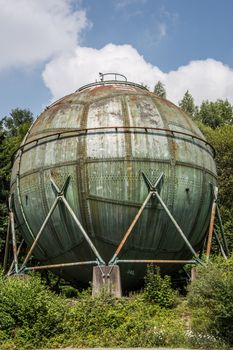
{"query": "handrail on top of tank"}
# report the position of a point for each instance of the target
(102, 75)
(146, 128)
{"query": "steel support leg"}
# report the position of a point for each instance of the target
(220, 244)
(14, 244)
(7, 244)
(225, 245)
(12, 264)
(211, 227)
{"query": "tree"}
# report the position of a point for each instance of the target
(159, 89)
(145, 85)
(12, 130)
(222, 140)
(187, 104)
(17, 123)
(215, 114)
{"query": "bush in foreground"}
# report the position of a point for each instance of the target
(32, 317)
(211, 297)
(29, 313)
(158, 289)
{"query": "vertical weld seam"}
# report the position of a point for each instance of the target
(126, 122)
(172, 180)
(82, 174)
(128, 142)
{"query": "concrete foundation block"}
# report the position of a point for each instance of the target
(108, 279)
(193, 274)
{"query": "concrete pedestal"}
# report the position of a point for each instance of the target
(106, 278)
(193, 273)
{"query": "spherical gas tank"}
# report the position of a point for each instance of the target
(100, 141)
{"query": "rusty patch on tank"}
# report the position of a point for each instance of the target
(99, 89)
(134, 98)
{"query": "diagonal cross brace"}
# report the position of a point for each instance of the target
(153, 192)
(214, 191)
(215, 214)
(177, 226)
(157, 183)
(60, 193)
(13, 266)
(152, 188)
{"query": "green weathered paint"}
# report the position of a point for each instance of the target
(106, 186)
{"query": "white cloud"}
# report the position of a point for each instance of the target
(68, 73)
(32, 31)
(205, 79)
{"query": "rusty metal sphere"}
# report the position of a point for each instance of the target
(103, 137)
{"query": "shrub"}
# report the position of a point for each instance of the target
(32, 317)
(127, 322)
(29, 312)
(158, 289)
(212, 291)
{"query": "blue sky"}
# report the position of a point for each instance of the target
(194, 29)
(51, 47)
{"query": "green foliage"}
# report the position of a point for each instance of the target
(215, 114)
(68, 291)
(32, 317)
(158, 289)
(17, 123)
(29, 313)
(12, 130)
(211, 294)
(222, 140)
(159, 89)
(127, 322)
(187, 104)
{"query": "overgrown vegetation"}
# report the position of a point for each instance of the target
(32, 317)
(222, 140)
(211, 296)
(158, 289)
(29, 313)
(12, 131)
